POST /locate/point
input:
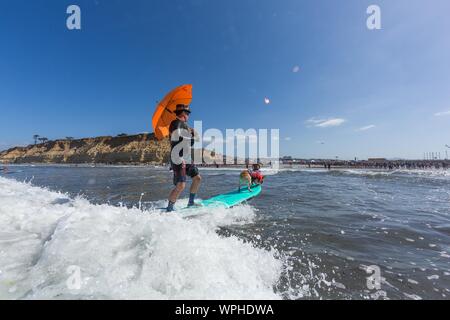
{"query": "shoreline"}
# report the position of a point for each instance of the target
(433, 167)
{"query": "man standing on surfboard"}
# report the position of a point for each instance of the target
(180, 135)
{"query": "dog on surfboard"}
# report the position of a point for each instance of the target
(251, 177)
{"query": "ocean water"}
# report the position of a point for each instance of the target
(94, 232)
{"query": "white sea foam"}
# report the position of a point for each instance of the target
(431, 173)
(413, 296)
(123, 253)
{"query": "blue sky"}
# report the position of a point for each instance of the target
(335, 87)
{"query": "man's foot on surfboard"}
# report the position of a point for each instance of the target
(194, 205)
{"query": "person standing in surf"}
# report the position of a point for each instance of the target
(182, 137)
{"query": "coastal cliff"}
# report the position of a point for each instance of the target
(139, 148)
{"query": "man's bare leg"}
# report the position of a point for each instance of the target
(196, 181)
(174, 194)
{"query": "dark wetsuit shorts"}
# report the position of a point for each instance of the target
(181, 171)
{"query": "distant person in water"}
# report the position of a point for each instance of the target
(180, 132)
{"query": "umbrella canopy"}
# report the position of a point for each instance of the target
(165, 110)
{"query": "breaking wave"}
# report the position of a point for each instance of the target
(54, 246)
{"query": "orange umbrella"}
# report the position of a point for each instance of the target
(165, 110)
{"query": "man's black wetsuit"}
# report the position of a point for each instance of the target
(180, 171)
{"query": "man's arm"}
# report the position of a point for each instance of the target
(182, 130)
(195, 135)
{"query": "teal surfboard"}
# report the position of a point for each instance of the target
(225, 200)
(230, 199)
